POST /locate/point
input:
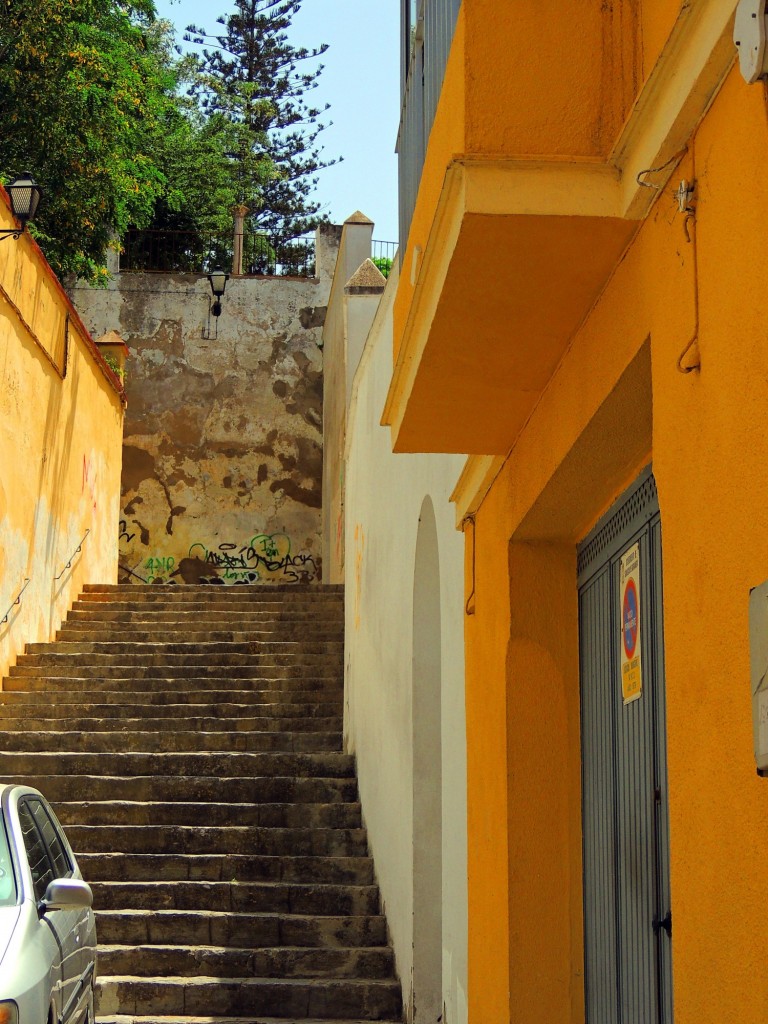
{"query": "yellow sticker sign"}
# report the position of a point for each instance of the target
(629, 590)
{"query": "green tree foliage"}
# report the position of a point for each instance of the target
(83, 92)
(251, 77)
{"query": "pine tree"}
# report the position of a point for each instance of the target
(252, 76)
(82, 90)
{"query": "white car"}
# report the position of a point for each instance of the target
(47, 927)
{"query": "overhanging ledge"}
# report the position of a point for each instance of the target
(509, 272)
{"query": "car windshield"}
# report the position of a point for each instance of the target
(7, 880)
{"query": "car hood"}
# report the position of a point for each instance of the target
(9, 917)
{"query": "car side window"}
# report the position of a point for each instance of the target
(37, 855)
(62, 867)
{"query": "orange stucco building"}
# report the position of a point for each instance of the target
(582, 307)
(61, 431)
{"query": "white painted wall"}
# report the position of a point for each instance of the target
(354, 298)
(384, 497)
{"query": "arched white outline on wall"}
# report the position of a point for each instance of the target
(427, 996)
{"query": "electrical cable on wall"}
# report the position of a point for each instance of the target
(690, 359)
(471, 599)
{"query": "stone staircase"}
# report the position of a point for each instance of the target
(189, 739)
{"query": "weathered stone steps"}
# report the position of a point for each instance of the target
(285, 681)
(276, 842)
(259, 591)
(190, 740)
(211, 600)
(157, 654)
(215, 928)
(239, 897)
(87, 615)
(135, 649)
(169, 742)
(260, 815)
(232, 962)
(325, 765)
(172, 723)
(161, 1019)
(83, 632)
(218, 789)
(323, 700)
(14, 704)
(287, 997)
(154, 867)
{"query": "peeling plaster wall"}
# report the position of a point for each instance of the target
(222, 458)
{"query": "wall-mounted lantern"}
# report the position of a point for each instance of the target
(24, 194)
(218, 281)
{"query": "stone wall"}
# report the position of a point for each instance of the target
(222, 458)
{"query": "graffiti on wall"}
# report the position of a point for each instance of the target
(264, 558)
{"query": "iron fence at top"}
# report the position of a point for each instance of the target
(190, 252)
(383, 255)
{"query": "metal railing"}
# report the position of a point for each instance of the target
(75, 553)
(383, 255)
(190, 252)
(14, 603)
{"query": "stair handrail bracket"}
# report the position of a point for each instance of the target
(15, 602)
(74, 555)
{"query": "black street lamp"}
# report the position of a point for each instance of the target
(24, 194)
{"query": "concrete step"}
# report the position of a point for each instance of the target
(230, 962)
(239, 897)
(243, 676)
(179, 722)
(219, 789)
(14, 705)
(278, 699)
(261, 815)
(159, 1019)
(173, 839)
(215, 600)
(216, 928)
(153, 867)
(254, 590)
(168, 742)
(183, 658)
(84, 632)
(205, 649)
(141, 678)
(214, 997)
(325, 765)
(205, 616)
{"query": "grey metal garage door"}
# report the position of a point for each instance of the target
(627, 916)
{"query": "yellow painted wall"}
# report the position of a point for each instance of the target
(61, 419)
(616, 402)
(553, 50)
(577, 59)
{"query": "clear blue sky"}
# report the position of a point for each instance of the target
(360, 81)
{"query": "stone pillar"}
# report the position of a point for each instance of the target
(239, 213)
